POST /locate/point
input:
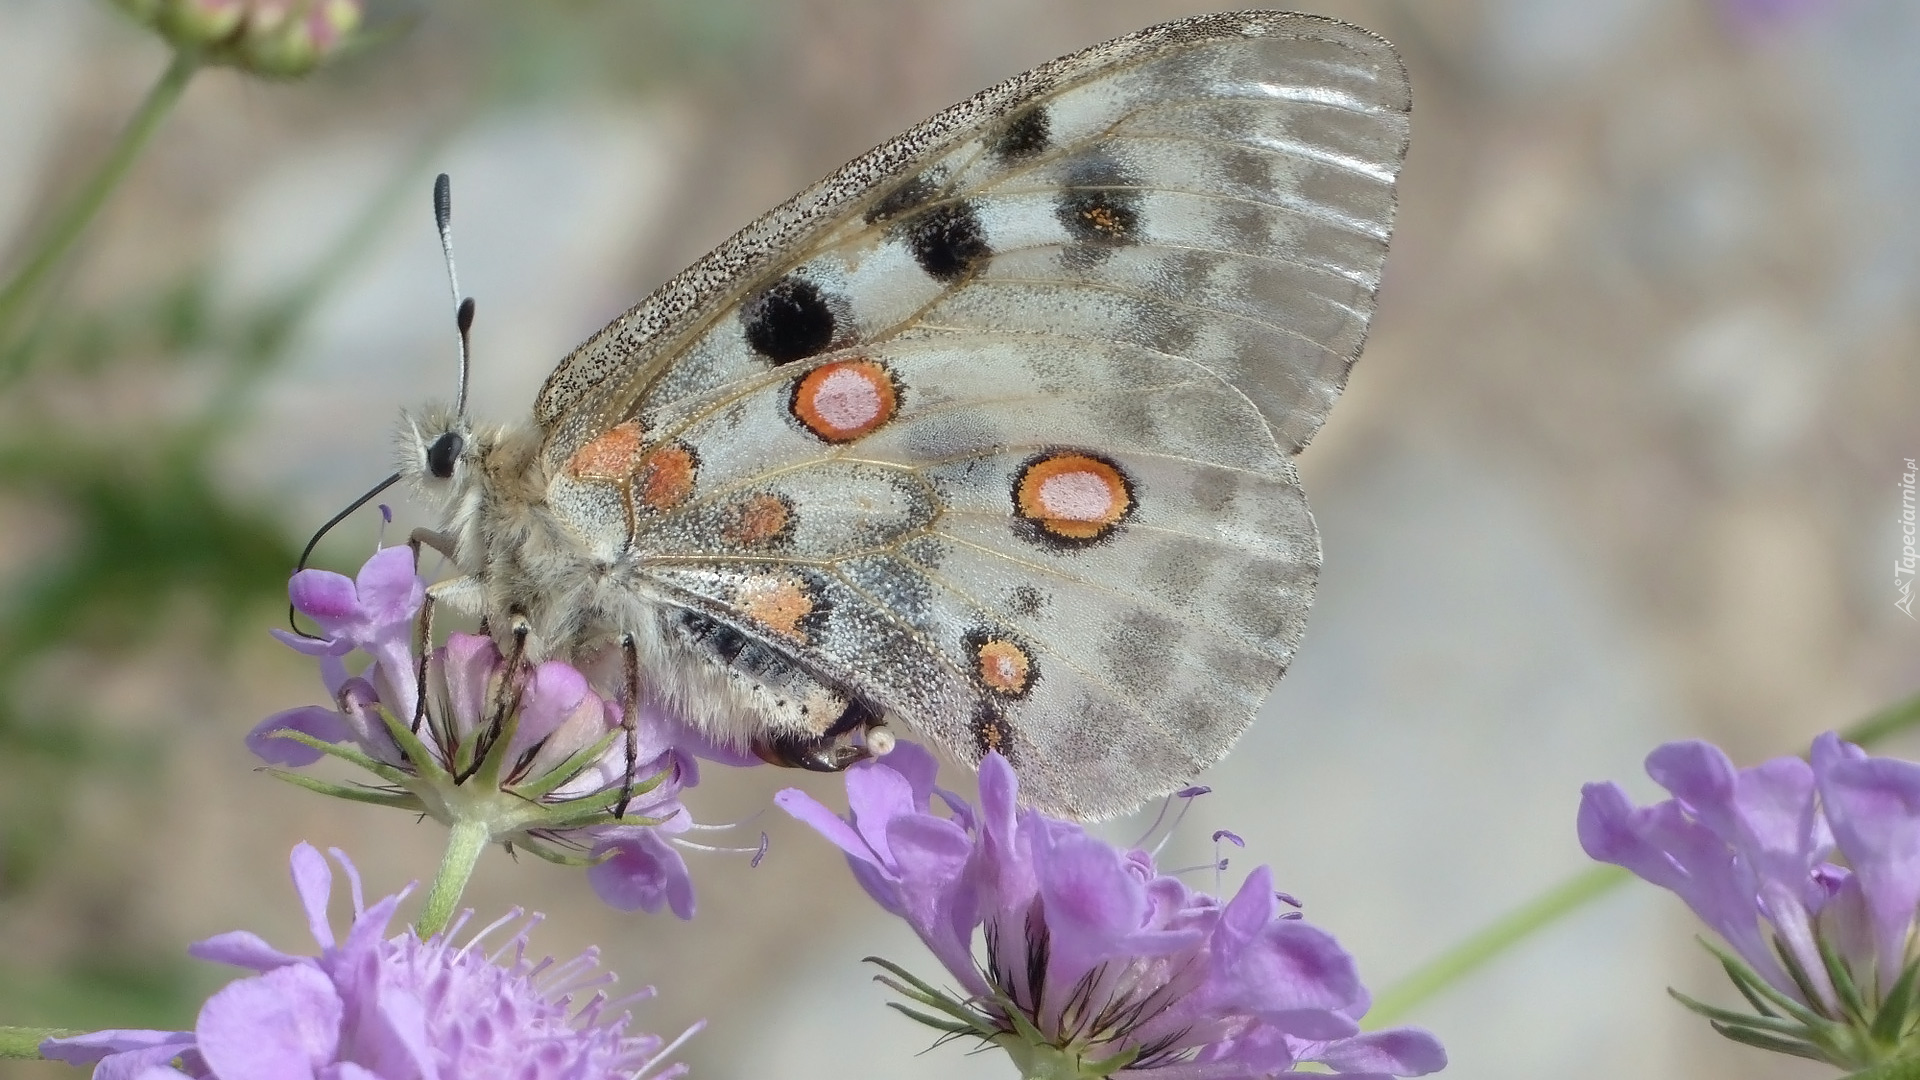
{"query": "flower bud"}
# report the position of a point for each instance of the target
(288, 39)
(277, 38)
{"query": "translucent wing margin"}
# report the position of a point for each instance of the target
(1306, 115)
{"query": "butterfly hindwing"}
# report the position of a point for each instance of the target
(992, 427)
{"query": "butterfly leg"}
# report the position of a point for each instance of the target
(629, 719)
(519, 629)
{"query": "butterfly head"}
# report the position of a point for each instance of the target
(437, 449)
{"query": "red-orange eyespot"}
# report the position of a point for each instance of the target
(1003, 666)
(1075, 497)
(841, 401)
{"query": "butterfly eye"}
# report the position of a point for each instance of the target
(443, 453)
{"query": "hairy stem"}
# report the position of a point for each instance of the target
(23, 1043)
(465, 841)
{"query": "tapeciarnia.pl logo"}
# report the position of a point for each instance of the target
(1903, 567)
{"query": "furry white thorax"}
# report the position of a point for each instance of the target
(514, 556)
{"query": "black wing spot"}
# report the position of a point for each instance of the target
(1101, 204)
(990, 731)
(1027, 134)
(903, 199)
(1026, 600)
(791, 321)
(948, 241)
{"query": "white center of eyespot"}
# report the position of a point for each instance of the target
(846, 400)
(1076, 496)
(1003, 666)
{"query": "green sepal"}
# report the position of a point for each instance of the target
(1907, 1068)
(1751, 984)
(926, 994)
(425, 764)
(1801, 980)
(1109, 1066)
(1891, 1024)
(560, 774)
(952, 1027)
(1771, 1024)
(1769, 1042)
(348, 754)
(1840, 973)
(399, 800)
(593, 809)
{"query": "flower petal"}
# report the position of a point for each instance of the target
(283, 1025)
(387, 589)
(313, 880)
(95, 1045)
(640, 869)
(1394, 1052)
(274, 749)
(1873, 805)
(324, 596)
(241, 949)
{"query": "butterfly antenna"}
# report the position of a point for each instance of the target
(463, 306)
(307, 552)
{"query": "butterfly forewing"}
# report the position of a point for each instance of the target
(992, 427)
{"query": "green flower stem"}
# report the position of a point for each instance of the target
(23, 1043)
(74, 218)
(1480, 948)
(465, 841)
(1574, 893)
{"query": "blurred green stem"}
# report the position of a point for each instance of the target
(23, 1043)
(1506, 932)
(1565, 898)
(465, 841)
(74, 218)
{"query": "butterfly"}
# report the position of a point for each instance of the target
(987, 434)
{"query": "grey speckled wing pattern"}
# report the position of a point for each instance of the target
(992, 428)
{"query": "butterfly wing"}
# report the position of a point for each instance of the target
(1006, 405)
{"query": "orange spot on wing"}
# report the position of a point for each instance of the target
(611, 455)
(1075, 496)
(758, 521)
(776, 603)
(844, 400)
(666, 476)
(1003, 666)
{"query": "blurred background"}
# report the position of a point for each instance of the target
(1620, 465)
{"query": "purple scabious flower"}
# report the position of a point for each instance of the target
(1088, 961)
(529, 751)
(1808, 869)
(379, 1007)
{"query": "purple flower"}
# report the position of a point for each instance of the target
(532, 751)
(1809, 870)
(1089, 961)
(373, 613)
(374, 1007)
